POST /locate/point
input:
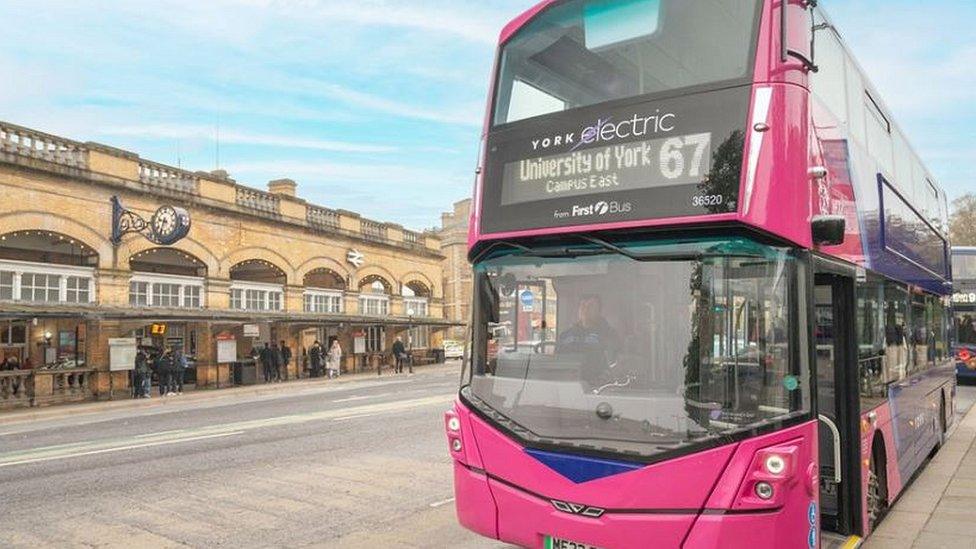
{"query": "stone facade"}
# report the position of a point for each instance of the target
(56, 207)
(456, 280)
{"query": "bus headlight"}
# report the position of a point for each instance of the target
(775, 464)
(454, 424)
(456, 444)
(764, 490)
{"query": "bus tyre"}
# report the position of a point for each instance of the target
(877, 499)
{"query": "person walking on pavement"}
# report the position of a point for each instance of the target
(266, 363)
(335, 359)
(180, 364)
(276, 362)
(400, 354)
(315, 358)
(285, 358)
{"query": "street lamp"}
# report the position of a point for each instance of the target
(48, 336)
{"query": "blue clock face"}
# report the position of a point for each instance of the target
(170, 224)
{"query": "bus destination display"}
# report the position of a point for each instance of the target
(635, 165)
(648, 159)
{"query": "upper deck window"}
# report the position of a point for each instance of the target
(584, 52)
(963, 266)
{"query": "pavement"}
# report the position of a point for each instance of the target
(938, 509)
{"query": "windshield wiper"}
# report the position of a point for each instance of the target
(546, 253)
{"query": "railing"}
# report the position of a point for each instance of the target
(373, 230)
(411, 237)
(71, 384)
(34, 144)
(165, 177)
(15, 389)
(322, 217)
(258, 200)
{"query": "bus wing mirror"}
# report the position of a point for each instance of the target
(829, 230)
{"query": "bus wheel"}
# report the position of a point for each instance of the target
(877, 487)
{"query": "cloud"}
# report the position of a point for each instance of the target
(174, 131)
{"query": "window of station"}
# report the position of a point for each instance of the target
(374, 299)
(78, 290)
(323, 302)
(252, 298)
(6, 285)
(13, 333)
(40, 288)
(375, 338)
(165, 291)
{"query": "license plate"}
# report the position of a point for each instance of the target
(552, 542)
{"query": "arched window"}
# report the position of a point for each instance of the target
(257, 285)
(167, 277)
(324, 291)
(46, 267)
(374, 296)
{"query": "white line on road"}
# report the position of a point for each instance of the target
(441, 503)
(362, 397)
(118, 449)
(162, 433)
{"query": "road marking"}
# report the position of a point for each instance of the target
(441, 503)
(117, 449)
(362, 397)
(161, 433)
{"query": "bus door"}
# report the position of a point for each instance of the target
(837, 401)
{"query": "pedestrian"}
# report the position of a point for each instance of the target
(180, 364)
(400, 354)
(266, 365)
(315, 359)
(276, 362)
(335, 359)
(143, 385)
(164, 367)
(285, 358)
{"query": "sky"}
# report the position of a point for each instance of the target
(376, 106)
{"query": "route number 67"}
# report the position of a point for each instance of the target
(675, 159)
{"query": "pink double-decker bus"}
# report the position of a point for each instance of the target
(711, 285)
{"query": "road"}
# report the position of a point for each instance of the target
(357, 464)
(352, 464)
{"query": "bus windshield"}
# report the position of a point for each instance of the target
(636, 354)
(585, 52)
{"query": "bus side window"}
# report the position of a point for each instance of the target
(897, 357)
(870, 320)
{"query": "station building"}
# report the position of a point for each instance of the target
(256, 266)
(456, 271)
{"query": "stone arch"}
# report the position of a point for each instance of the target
(325, 278)
(44, 246)
(421, 285)
(181, 262)
(258, 270)
(188, 246)
(371, 279)
(375, 271)
(34, 220)
(256, 252)
(320, 262)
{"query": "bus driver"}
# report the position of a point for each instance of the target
(593, 338)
